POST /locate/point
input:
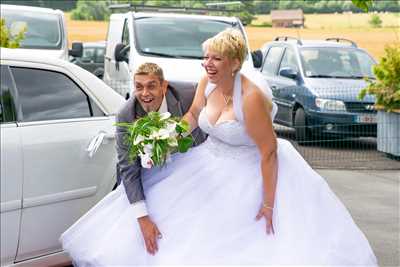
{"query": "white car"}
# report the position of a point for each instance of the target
(173, 41)
(57, 153)
(46, 31)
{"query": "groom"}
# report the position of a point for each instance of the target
(152, 93)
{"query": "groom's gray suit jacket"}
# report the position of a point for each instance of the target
(128, 172)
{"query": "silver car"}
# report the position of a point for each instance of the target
(57, 152)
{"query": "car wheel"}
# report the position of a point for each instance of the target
(303, 134)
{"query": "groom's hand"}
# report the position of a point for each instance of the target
(150, 234)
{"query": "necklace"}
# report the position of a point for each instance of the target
(227, 99)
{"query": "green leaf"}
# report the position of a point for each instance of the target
(9, 40)
(184, 144)
(182, 127)
(363, 4)
(386, 87)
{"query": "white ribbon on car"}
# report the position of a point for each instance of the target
(95, 143)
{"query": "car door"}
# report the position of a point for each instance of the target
(288, 88)
(11, 170)
(61, 181)
(269, 69)
(120, 76)
(99, 62)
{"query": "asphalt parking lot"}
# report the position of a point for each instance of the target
(372, 197)
(367, 182)
(347, 154)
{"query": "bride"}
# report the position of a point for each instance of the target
(241, 197)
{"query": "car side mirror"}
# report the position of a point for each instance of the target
(288, 73)
(120, 52)
(257, 57)
(77, 49)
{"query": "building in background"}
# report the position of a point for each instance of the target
(287, 18)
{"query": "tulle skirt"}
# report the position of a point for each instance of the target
(205, 202)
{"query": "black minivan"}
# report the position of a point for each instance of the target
(92, 58)
(315, 85)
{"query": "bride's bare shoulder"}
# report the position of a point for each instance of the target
(250, 88)
(252, 93)
(202, 83)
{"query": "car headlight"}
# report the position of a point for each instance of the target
(330, 105)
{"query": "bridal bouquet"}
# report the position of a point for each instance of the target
(154, 137)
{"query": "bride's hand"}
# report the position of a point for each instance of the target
(150, 234)
(266, 213)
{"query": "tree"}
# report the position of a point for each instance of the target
(246, 15)
(7, 39)
(386, 87)
(375, 21)
(365, 5)
(91, 10)
(264, 7)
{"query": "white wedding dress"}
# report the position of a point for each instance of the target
(205, 202)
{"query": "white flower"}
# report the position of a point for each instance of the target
(148, 149)
(163, 134)
(138, 139)
(146, 161)
(160, 134)
(153, 135)
(165, 115)
(171, 128)
(172, 142)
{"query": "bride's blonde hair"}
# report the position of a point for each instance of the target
(229, 43)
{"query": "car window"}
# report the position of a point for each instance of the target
(289, 60)
(271, 61)
(363, 63)
(100, 55)
(176, 37)
(7, 101)
(126, 37)
(125, 33)
(43, 31)
(88, 54)
(49, 95)
(336, 62)
(96, 111)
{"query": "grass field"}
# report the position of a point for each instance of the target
(350, 26)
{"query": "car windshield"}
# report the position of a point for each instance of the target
(336, 62)
(42, 30)
(176, 37)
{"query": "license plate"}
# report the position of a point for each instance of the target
(366, 118)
